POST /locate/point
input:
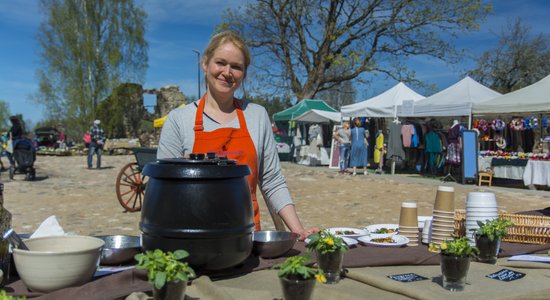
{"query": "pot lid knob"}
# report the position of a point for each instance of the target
(196, 156)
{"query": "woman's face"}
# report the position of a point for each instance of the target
(225, 71)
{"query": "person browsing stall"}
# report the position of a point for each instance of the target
(238, 129)
(97, 135)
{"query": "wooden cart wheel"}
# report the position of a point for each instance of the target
(130, 187)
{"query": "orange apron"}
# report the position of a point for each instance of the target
(235, 143)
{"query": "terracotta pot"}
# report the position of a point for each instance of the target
(488, 250)
(331, 264)
(454, 270)
(297, 289)
(171, 291)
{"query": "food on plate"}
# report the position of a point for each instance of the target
(385, 240)
(385, 230)
(344, 232)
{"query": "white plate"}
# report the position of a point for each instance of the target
(341, 231)
(399, 241)
(375, 227)
(349, 241)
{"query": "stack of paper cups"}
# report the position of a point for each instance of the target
(443, 221)
(408, 222)
(427, 232)
(479, 207)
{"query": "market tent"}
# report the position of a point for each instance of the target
(300, 108)
(456, 100)
(319, 116)
(532, 98)
(383, 105)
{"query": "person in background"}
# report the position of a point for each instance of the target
(96, 144)
(359, 147)
(14, 134)
(343, 137)
(238, 129)
(61, 138)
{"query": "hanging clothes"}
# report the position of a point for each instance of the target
(395, 143)
(379, 147)
(433, 149)
(407, 132)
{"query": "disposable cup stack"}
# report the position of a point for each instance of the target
(480, 206)
(427, 232)
(408, 222)
(443, 221)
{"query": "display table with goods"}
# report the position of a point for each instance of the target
(532, 168)
(380, 272)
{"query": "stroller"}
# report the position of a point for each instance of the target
(24, 156)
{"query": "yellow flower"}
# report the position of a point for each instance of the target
(443, 246)
(434, 248)
(321, 278)
(329, 241)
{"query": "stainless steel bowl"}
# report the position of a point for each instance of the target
(270, 243)
(119, 249)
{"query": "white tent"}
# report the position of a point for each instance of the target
(319, 116)
(533, 98)
(383, 105)
(456, 100)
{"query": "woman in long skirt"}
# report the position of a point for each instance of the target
(359, 147)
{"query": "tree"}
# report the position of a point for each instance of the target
(520, 59)
(87, 48)
(4, 116)
(273, 105)
(297, 42)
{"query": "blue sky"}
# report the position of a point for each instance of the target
(176, 27)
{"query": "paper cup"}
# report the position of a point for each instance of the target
(409, 215)
(445, 199)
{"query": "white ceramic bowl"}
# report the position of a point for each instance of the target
(481, 215)
(482, 209)
(57, 262)
(481, 199)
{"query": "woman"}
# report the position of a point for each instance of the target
(343, 138)
(359, 144)
(241, 130)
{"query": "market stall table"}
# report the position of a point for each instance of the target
(502, 168)
(537, 172)
(367, 271)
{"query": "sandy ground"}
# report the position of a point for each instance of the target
(85, 201)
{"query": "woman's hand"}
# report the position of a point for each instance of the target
(305, 233)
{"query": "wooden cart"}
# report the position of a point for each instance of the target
(130, 183)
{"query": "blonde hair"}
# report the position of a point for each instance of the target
(226, 37)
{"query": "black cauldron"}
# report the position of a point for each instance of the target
(201, 205)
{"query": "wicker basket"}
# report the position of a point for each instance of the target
(526, 229)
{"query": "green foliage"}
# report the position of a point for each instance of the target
(458, 247)
(295, 267)
(5, 296)
(493, 229)
(120, 113)
(273, 105)
(4, 116)
(165, 267)
(87, 48)
(310, 46)
(325, 242)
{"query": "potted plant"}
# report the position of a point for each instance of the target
(165, 270)
(297, 278)
(488, 237)
(330, 251)
(455, 262)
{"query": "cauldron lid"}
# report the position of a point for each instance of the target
(203, 168)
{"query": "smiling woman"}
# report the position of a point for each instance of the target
(232, 128)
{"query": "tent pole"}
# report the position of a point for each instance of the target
(470, 121)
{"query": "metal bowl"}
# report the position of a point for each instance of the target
(270, 243)
(119, 249)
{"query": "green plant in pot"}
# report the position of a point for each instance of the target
(455, 262)
(488, 237)
(330, 250)
(298, 278)
(168, 274)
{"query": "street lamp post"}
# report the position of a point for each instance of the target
(198, 71)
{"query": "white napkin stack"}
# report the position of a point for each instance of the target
(49, 227)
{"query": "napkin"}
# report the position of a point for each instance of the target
(49, 227)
